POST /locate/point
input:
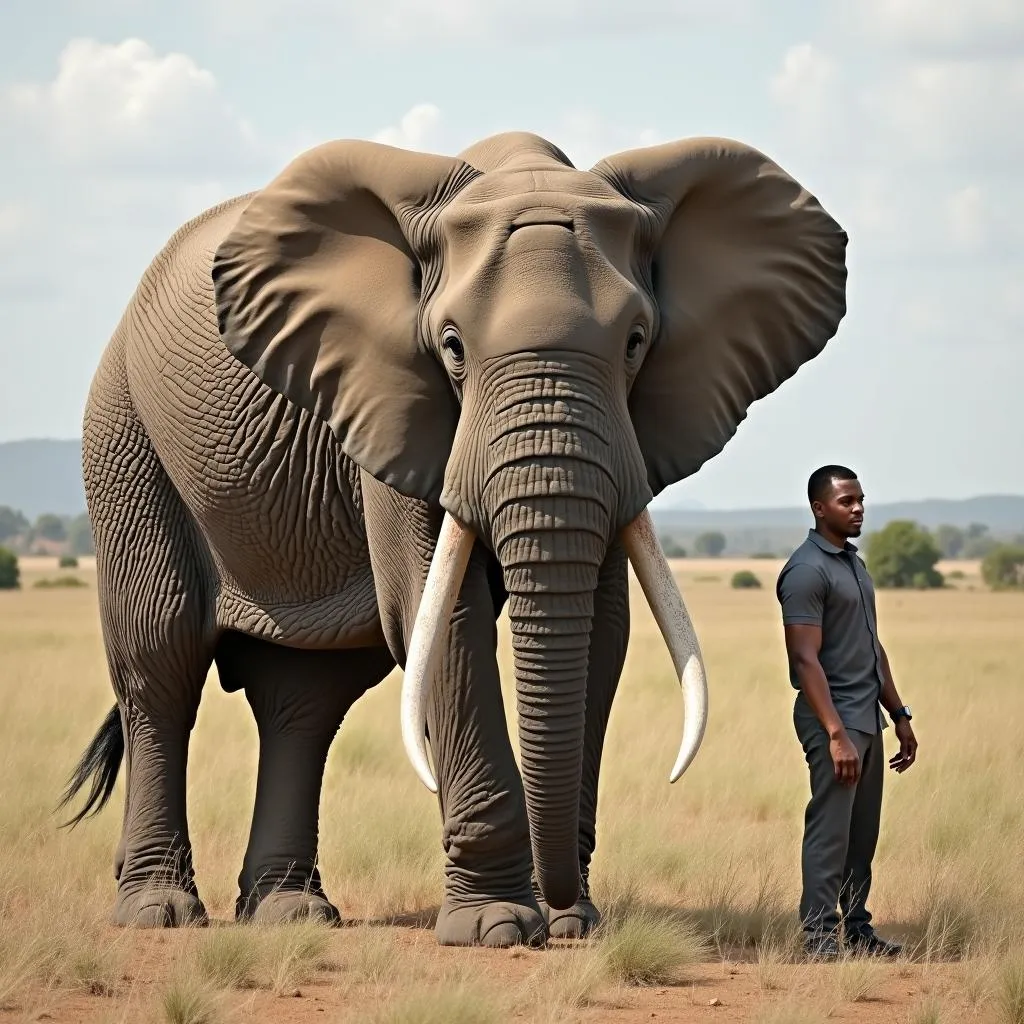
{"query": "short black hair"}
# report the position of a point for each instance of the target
(820, 480)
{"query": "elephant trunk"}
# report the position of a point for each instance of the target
(551, 655)
(551, 541)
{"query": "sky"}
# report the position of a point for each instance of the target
(120, 119)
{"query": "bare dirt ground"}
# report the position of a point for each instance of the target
(730, 990)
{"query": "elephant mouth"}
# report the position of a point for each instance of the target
(444, 580)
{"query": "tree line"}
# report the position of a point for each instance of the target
(904, 553)
(49, 534)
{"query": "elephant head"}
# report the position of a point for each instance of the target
(541, 350)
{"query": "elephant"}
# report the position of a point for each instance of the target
(348, 419)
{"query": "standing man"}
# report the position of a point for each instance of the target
(841, 673)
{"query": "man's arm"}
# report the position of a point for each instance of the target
(803, 642)
(891, 701)
(801, 592)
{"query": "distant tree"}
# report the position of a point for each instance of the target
(67, 562)
(12, 522)
(50, 527)
(903, 554)
(80, 536)
(1003, 567)
(976, 530)
(10, 574)
(710, 544)
(950, 539)
(672, 548)
(744, 579)
(979, 546)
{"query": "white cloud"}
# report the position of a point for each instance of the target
(805, 80)
(123, 106)
(951, 110)
(951, 27)
(14, 218)
(967, 217)
(417, 129)
(405, 21)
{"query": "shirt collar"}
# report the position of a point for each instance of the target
(827, 545)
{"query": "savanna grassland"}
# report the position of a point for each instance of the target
(699, 880)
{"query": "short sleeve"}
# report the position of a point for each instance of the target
(801, 592)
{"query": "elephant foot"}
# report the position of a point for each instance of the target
(285, 907)
(496, 924)
(575, 923)
(159, 907)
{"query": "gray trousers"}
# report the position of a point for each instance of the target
(840, 834)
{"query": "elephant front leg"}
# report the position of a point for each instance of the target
(609, 639)
(299, 699)
(488, 897)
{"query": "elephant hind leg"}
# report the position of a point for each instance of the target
(154, 611)
(299, 699)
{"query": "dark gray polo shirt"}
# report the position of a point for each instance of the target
(822, 585)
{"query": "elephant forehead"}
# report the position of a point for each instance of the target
(543, 286)
(539, 259)
(493, 204)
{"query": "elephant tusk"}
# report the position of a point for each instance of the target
(429, 634)
(659, 586)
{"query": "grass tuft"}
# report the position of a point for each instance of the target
(646, 948)
(228, 958)
(927, 1012)
(441, 1004)
(569, 978)
(189, 1001)
(294, 954)
(788, 1012)
(858, 979)
(1010, 991)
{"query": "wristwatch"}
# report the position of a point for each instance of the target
(903, 712)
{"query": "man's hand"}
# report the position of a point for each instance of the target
(901, 761)
(845, 758)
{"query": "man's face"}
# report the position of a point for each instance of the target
(842, 510)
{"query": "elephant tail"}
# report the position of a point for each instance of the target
(100, 762)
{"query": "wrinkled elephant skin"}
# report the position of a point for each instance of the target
(311, 379)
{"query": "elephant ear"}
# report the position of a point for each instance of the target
(317, 290)
(749, 277)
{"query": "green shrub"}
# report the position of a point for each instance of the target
(903, 554)
(672, 548)
(10, 574)
(710, 544)
(67, 562)
(1003, 567)
(745, 580)
(60, 582)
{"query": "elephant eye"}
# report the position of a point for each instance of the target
(637, 337)
(452, 346)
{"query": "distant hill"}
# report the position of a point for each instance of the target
(777, 531)
(42, 476)
(1000, 512)
(46, 476)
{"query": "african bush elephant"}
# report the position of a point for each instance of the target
(346, 418)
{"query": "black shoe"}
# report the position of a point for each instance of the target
(867, 943)
(822, 948)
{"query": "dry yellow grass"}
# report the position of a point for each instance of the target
(719, 851)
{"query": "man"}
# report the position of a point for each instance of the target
(841, 673)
